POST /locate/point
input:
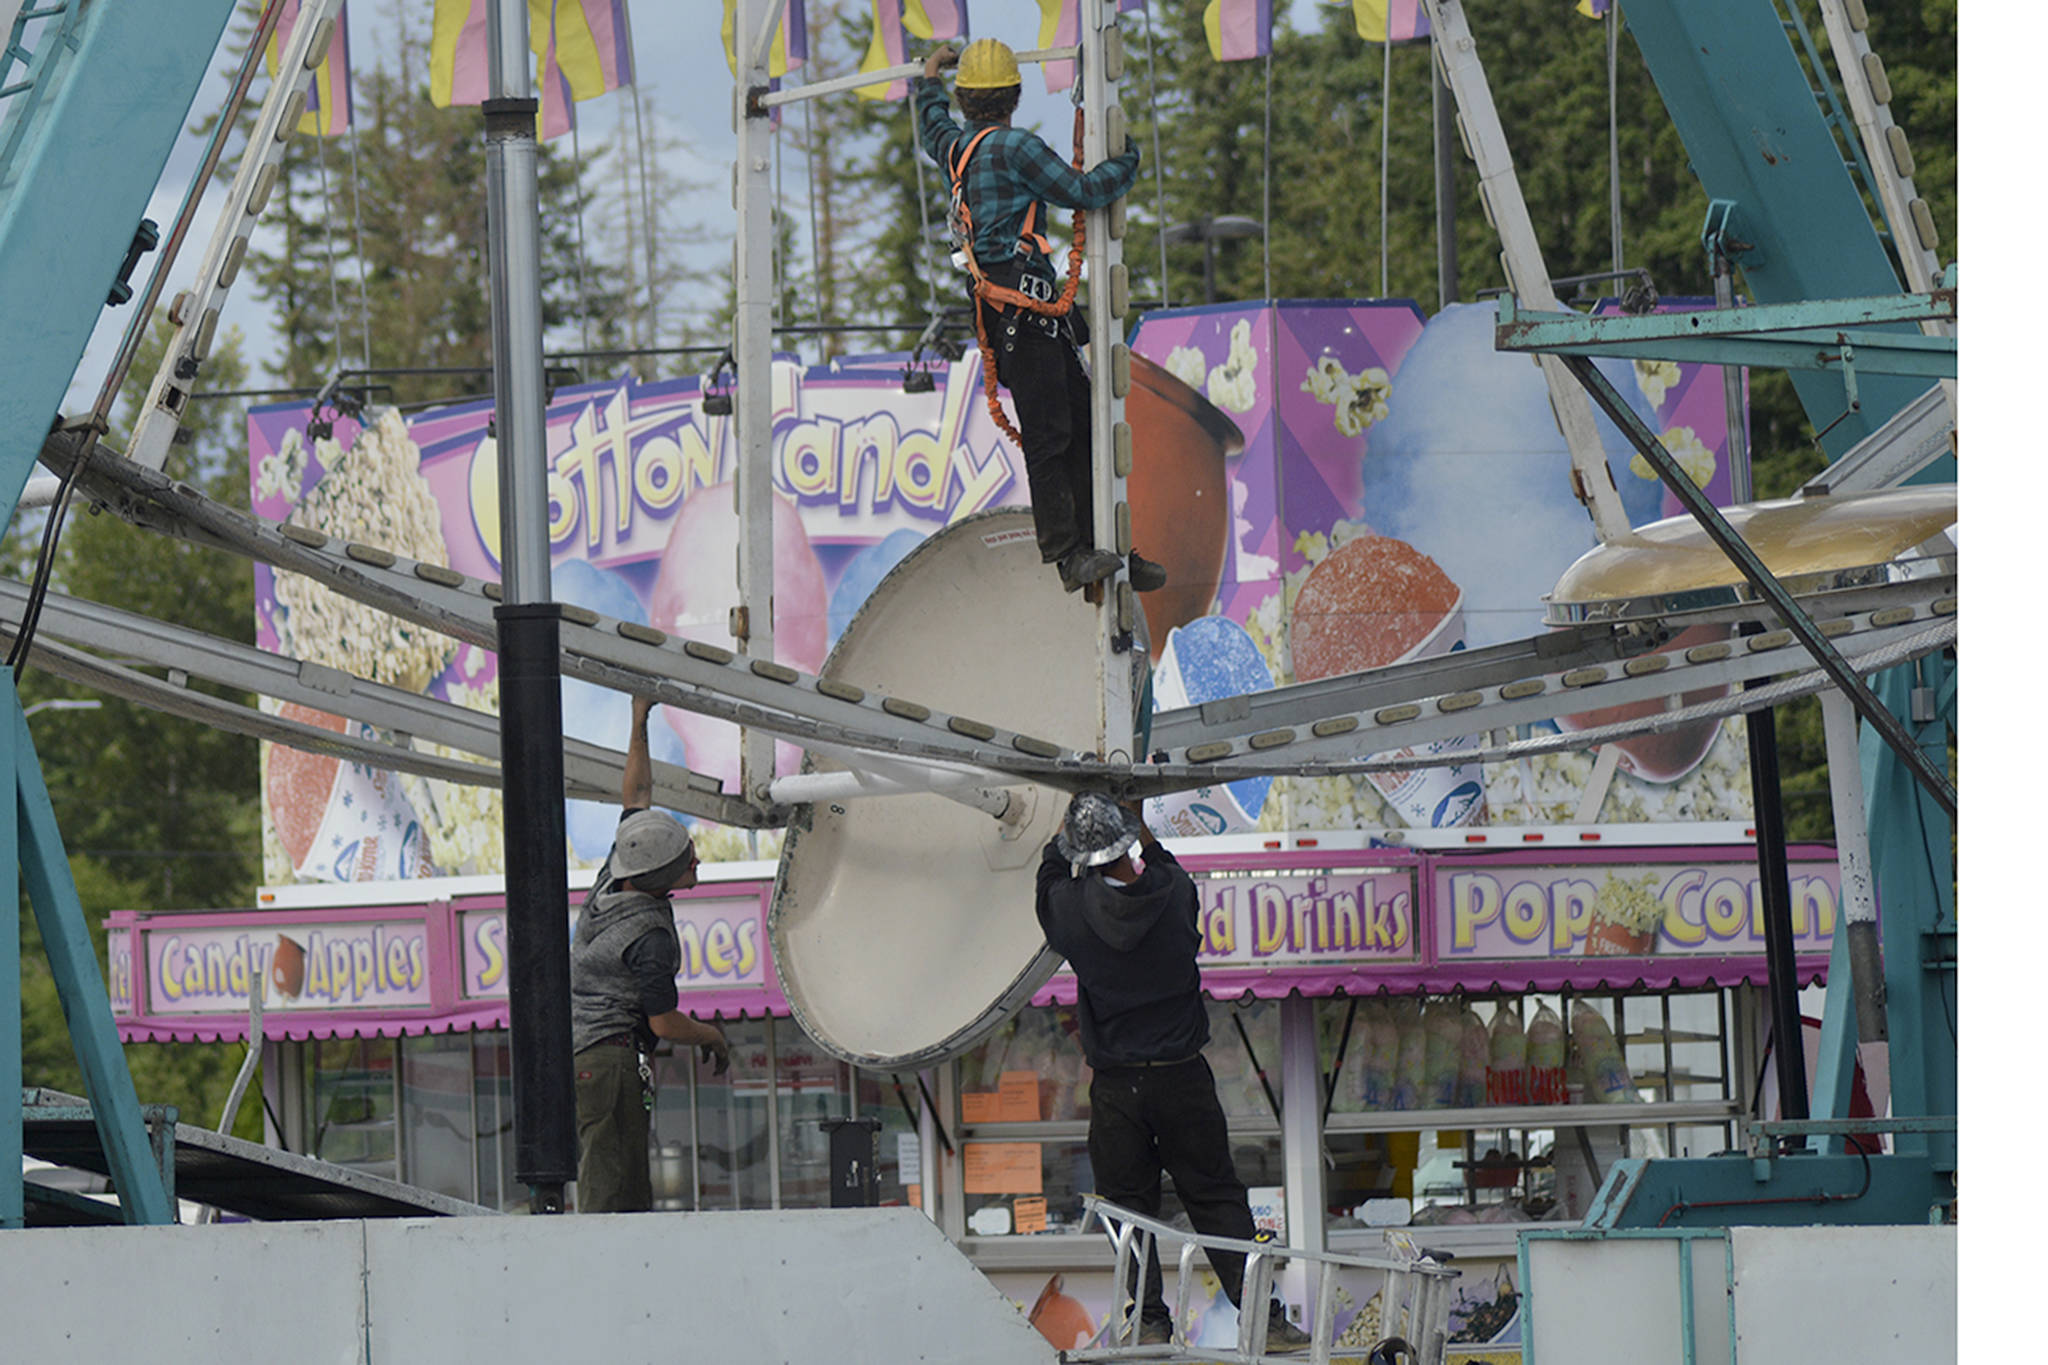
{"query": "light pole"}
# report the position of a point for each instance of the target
(1209, 231)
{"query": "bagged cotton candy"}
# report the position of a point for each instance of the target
(1507, 1062)
(1546, 1058)
(1411, 1054)
(1382, 1043)
(1444, 1036)
(1472, 1058)
(1598, 1060)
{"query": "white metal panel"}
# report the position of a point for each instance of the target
(1612, 1302)
(1710, 1301)
(842, 1285)
(1855, 1293)
(237, 1291)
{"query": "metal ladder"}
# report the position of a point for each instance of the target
(1415, 1298)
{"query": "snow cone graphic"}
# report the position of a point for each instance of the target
(1206, 660)
(341, 821)
(1375, 601)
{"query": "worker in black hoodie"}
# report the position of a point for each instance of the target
(1127, 924)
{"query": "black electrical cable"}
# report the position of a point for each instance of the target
(46, 556)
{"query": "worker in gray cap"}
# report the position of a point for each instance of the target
(623, 962)
(1124, 914)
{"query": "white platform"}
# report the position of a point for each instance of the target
(838, 1285)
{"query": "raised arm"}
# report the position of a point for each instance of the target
(937, 133)
(636, 790)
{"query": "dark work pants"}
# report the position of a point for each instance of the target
(1146, 1120)
(1049, 389)
(612, 1174)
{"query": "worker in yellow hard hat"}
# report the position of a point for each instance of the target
(1002, 178)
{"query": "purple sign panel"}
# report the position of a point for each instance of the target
(121, 971)
(724, 941)
(1281, 919)
(1515, 912)
(1401, 490)
(377, 965)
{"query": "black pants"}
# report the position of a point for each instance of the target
(1146, 1120)
(1049, 389)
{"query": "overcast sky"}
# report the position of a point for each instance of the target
(682, 71)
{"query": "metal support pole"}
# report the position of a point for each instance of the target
(529, 650)
(753, 623)
(1301, 1141)
(1801, 625)
(46, 876)
(1442, 118)
(12, 1207)
(1105, 134)
(1776, 888)
(1858, 895)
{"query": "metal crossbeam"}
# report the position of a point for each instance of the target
(1328, 728)
(1823, 335)
(1400, 707)
(1922, 432)
(593, 771)
(688, 674)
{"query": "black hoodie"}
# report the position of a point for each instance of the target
(1132, 949)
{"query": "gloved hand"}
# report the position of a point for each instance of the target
(939, 58)
(716, 1051)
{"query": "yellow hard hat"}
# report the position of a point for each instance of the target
(987, 64)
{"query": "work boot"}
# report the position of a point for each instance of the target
(1145, 575)
(1155, 1332)
(1282, 1335)
(1083, 567)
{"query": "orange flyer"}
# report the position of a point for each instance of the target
(1017, 1097)
(981, 1106)
(1003, 1168)
(1030, 1213)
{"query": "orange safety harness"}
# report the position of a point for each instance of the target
(988, 291)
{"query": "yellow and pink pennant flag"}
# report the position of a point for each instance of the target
(935, 20)
(330, 99)
(1238, 29)
(459, 62)
(792, 40)
(885, 49)
(1593, 9)
(1059, 25)
(1390, 21)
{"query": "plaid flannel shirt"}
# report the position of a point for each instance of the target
(1010, 171)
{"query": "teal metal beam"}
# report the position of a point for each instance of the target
(1794, 220)
(1732, 1190)
(83, 152)
(12, 1208)
(46, 873)
(1822, 335)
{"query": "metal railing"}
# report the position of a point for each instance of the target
(1415, 1297)
(36, 43)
